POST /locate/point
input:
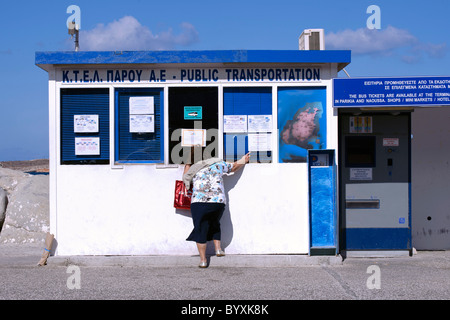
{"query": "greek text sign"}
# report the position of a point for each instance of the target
(379, 92)
(198, 75)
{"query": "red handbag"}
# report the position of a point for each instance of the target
(183, 196)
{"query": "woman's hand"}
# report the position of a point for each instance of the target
(246, 159)
(241, 162)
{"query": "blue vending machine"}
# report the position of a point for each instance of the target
(322, 202)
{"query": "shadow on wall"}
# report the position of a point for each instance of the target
(226, 223)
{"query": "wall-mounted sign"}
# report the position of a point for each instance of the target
(259, 142)
(142, 123)
(319, 160)
(361, 174)
(87, 146)
(141, 105)
(260, 123)
(192, 75)
(235, 123)
(83, 123)
(360, 124)
(193, 137)
(391, 142)
(391, 92)
(193, 113)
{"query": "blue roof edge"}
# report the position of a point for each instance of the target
(342, 57)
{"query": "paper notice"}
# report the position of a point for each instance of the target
(85, 123)
(142, 123)
(87, 146)
(259, 142)
(193, 137)
(260, 123)
(235, 123)
(141, 105)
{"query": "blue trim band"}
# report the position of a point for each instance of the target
(342, 57)
(378, 238)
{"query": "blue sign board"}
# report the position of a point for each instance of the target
(193, 113)
(391, 92)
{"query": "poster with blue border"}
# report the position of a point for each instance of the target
(302, 123)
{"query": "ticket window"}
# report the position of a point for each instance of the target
(84, 126)
(375, 181)
(139, 125)
(193, 120)
(247, 113)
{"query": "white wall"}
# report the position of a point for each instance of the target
(430, 181)
(130, 211)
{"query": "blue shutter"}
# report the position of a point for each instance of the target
(80, 102)
(245, 101)
(139, 147)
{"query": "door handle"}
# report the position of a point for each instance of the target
(362, 203)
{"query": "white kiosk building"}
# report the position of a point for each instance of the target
(120, 123)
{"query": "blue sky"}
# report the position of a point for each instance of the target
(413, 40)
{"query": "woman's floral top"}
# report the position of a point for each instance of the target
(208, 183)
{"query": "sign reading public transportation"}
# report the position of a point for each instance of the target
(276, 74)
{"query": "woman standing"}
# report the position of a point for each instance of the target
(208, 200)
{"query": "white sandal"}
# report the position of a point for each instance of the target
(220, 253)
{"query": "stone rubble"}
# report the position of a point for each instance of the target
(26, 219)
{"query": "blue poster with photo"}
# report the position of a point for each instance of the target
(302, 122)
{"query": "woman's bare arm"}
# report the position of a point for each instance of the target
(237, 165)
(186, 168)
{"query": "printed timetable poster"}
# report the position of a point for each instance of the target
(83, 123)
(302, 122)
(142, 123)
(141, 110)
(89, 146)
(142, 105)
(235, 123)
(193, 137)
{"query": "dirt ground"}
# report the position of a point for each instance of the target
(38, 165)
